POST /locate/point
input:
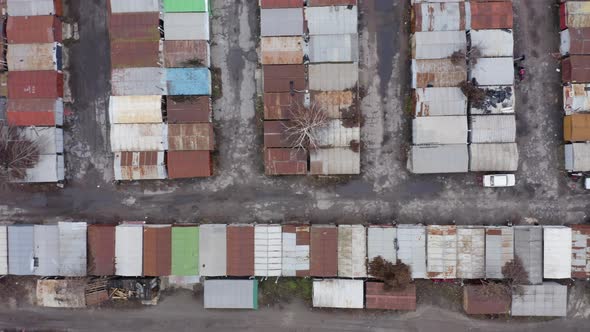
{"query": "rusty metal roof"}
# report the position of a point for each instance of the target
(33, 29)
(281, 50)
(378, 298)
(190, 136)
(576, 69)
(285, 162)
(275, 134)
(318, 3)
(157, 250)
(476, 302)
(279, 106)
(470, 252)
(189, 164)
(278, 78)
(441, 252)
(35, 112)
(581, 251)
(240, 250)
(439, 17)
(324, 251)
(101, 250)
(575, 41)
(35, 84)
(296, 250)
(337, 104)
(135, 54)
(134, 26)
(437, 73)
(281, 3)
(577, 14)
(192, 109)
(147, 165)
(491, 15)
(186, 53)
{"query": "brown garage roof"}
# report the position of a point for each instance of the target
(240, 250)
(324, 251)
(135, 26)
(190, 136)
(101, 250)
(491, 15)
(157, 250)
(579, 41)
(285, 161)
(475, 302)
(35, 84)
(189, 164)
(576, 69)
(576, 128)
(33, 29)
(279, 106)
(192, 109)
(281, 3)
(378, 298)
(186, 53)
(125, 54)
(275, 134)
(278, 78)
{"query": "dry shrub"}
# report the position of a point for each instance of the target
(395, 276)
(473, 55)
(494, 290)
(304, 126)
(475, 94)
(16, 154)
(515, 274)
(458, 58)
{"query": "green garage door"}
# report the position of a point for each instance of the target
(185, 251)
(184, 6)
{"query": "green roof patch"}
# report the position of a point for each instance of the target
(185, 6)
(185, 251)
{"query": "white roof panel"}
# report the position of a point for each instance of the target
(470, 252)
(33, 57)
(333, 76)
(46, 250)
(145, 81)
(352, 251)
(411, 240)
(547, 299)
(333, 161)
(30, 7)
(440, 101)
(557, 252)
(72, 249)
(134, 6)
(267, 250)
(442, 17)
(493, 43)
(438, 44)
(441, 252)
(430, 159)
(3, 250)
(21, 248)
(129, 250)
(332, 20)
(49, 168)
(139, 137)
(499, 250)
(295, 254)
(49, 140)
(186, 26)
(333, 48)
(338, 293)
(577, 157)
(381, 242)
(493, 71)
(439, 130)
(230, 294)
(281, 22)
(213, 250)
(135, 109)
(493, 157)
(493, 128)
(337, 134)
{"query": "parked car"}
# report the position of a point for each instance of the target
(499, 180)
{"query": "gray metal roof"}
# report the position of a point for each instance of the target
(493, 71)
(30, 7)
(333, 48)
(135, 6)
(46, 250)
(493, 43)
(440, 102)
(333, 76)
(72, 249)
(381, 242)
(231, 294)
(548, 299)
(428, 159)
(332, 20)
(337, 134)
(186, 26)
(499, 249)
(557, 252)
(528, 245)
(49, 140)
(411, 240)
(493, 157)
(332, 161)
(577, 157)
(439, 130)
(493, 128)
(498, 100)
(352, 251)
(443, 16)
(212, 250)
(49, 168)
(438, 44)
(281, 22)
(144, 81)
(21, 243)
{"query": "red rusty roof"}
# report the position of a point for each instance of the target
(378, 298)
(581, 251)
(101, 250)
(125, 54)
(188, 109)
(281, 3)
(275, 135)
(31, 112)
(318, 3)
(33, 29)
(491, 15)
(576, 69)
(190, 136)
(180, 53)
(189, 164)
(285, 162)
(475, 302)
(278, 78)
(579, 41)
(135, 26)
(278, 106)
(157, 251)
(240, 250)
(35, 84)
(324, 251)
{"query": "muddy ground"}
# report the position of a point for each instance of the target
(239, 192)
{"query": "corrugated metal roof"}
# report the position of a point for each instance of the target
(498, 100)
(577, 157)
(377, 297)
(281, 3)
(188, 81)
(129, 54)
(186, 26)
(139, 165)
(491, 15)
(3, 250)
(281, 22)
(580, 251)
(548, 299)
(267, 250)
(332, 20)
(493, 43)
(213, 250)
(528, 246)
(439, 130)
(135, 6)
(189, 164)
(23, 57)
(101, 250)
(139, 137)
(129, 249)
(493, 128)
(575, 69)
(283, 78)
(139, 82)
(33, 29)
(493, 71)
(429, 159)
(134, 27)
(499, 250)
(186, 53)
(46, 252)
(333, 48)
(32, 7)
(279, 106)
(438, 44)
(338, 293)
(411, 240)
(576, 127)
(157, 250)
(21, 244)
(296, 242)
(333, 76)
(440, 101)
(576, 98)
(190, 136)
(470, 252)
(477, 302)
(35, 112)
(337, 104)
(440, 17)
(35, 84)
(437, 73)
(333, 161)
(188, 109)
(324, 251)
(281, 50)
(276, 135)
(185, 244)
(231, 294)
(337, 133)
(72, 249)
(240, 250)
(577, 14)
(352, 251)
(285, 161)
(65, 293)
(171, 6)
(49, 168)
(381, 241)
(493, 157)
(135, 109)
(441, 252)
(49, 140)
(557, 252)
(575, 41)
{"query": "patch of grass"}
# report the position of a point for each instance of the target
(276, 292)
(216, 88)
(409, 105)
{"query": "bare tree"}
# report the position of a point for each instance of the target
(17, 153)
(515, 274)
(395, 276)
(303, 128)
